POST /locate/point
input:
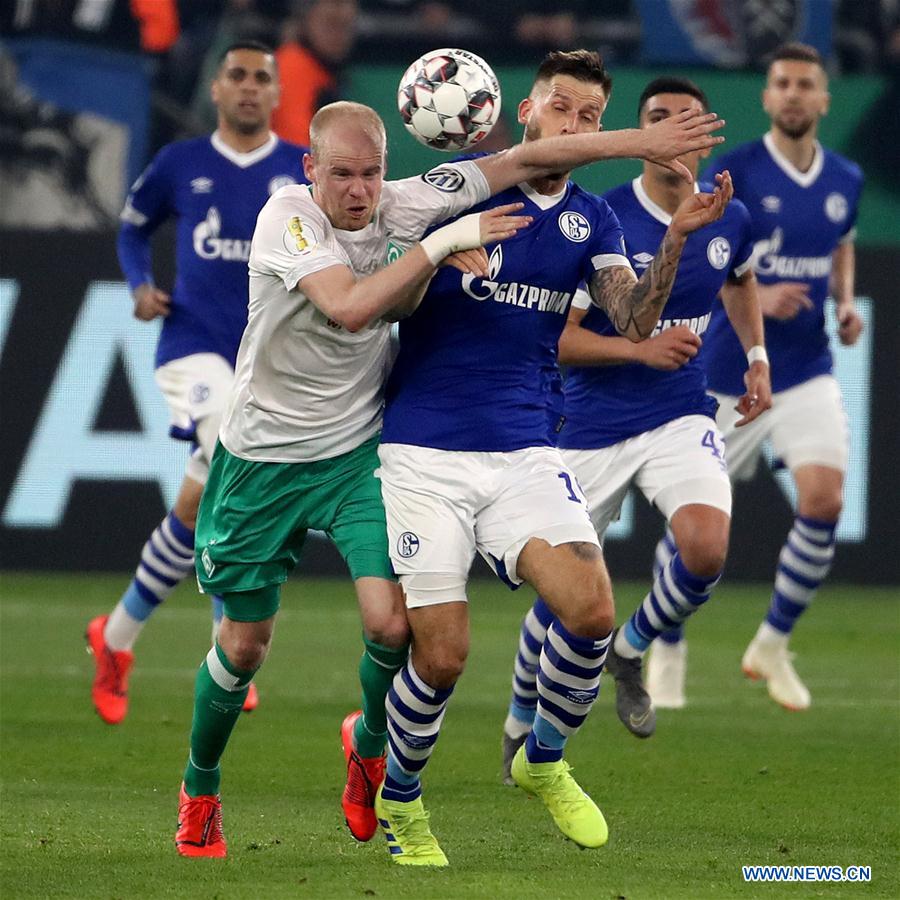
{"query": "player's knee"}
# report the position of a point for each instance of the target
(824, 505)
(247, 652)
(390, 629)
(442, 666)
(590, 621)
(591, 611)
(705, 557)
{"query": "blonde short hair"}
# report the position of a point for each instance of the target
(341, 112)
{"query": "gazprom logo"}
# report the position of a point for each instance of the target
(208, 244)
(489, 284)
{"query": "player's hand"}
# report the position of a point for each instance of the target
(784, 299)
(758, 397)
(670, 138)
(670, 349)
(499, 223)
(698, 210)
(850, 324)
(469, 262)
(150, 302)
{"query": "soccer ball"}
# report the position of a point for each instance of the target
(449, 99)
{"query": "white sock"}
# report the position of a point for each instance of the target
(766, 634)
(515, 728)
(624, 649)
(122, 629)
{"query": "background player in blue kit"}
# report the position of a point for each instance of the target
(468, 463)
(214, 187)
(803, 202)
(639, 414)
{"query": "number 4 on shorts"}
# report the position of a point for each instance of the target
(709, 440)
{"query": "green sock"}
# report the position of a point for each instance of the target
(218, 697)
(376, 672)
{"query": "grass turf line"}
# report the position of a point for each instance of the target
(88, 810)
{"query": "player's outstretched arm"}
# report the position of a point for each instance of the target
(634, 306)
(354, 304)
(667, 351)
(661, 142)
(741, 302)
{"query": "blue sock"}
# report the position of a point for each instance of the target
(415, 711)
(568, 682)
(675, 596)
(166, 559)
(524, 682)
(804, 562)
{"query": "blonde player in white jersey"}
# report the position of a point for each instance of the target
(298, 442)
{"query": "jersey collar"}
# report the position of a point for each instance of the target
(244, 160)
(542, 201)
(654, 209)
(804, 179)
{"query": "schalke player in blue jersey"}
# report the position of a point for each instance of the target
(214, 187)
(803, 202)
(639, 414)
(468, 462)
(297, 446)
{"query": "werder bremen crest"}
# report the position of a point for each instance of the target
(393, 253)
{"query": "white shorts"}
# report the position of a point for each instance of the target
(678, 463)
(443, 505)
(806, 425)
(197, 389)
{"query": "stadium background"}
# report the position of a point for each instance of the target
(85, 427)
(86, 471)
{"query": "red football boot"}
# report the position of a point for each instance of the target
(110, 689)
(251, 701)
(200, 826)
(364, 775)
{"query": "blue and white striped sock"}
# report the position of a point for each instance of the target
(414, 715)
(665, 550)
(675, 596)
(524, 682)
(804, 562)
(568, 682)
(167, 558)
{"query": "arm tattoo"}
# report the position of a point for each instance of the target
(634, 307)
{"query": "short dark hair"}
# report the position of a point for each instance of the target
(671, 84)
(585, 65)
(794, 50)
(259, 46)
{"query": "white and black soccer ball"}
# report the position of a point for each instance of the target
(449, 99)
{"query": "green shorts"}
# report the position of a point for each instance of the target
(254, 517)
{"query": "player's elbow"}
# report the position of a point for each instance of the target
(353, 322)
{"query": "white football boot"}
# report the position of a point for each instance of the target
(666, 671)
(770, 659)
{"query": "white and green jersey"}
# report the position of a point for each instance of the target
(305, 388)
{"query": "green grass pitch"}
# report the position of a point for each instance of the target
(88, 810)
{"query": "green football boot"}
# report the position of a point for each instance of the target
(405, 825)
(575, 814)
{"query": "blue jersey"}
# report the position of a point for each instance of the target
(608, 404)
(215, 193)
(477, 367)
(797, 220)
